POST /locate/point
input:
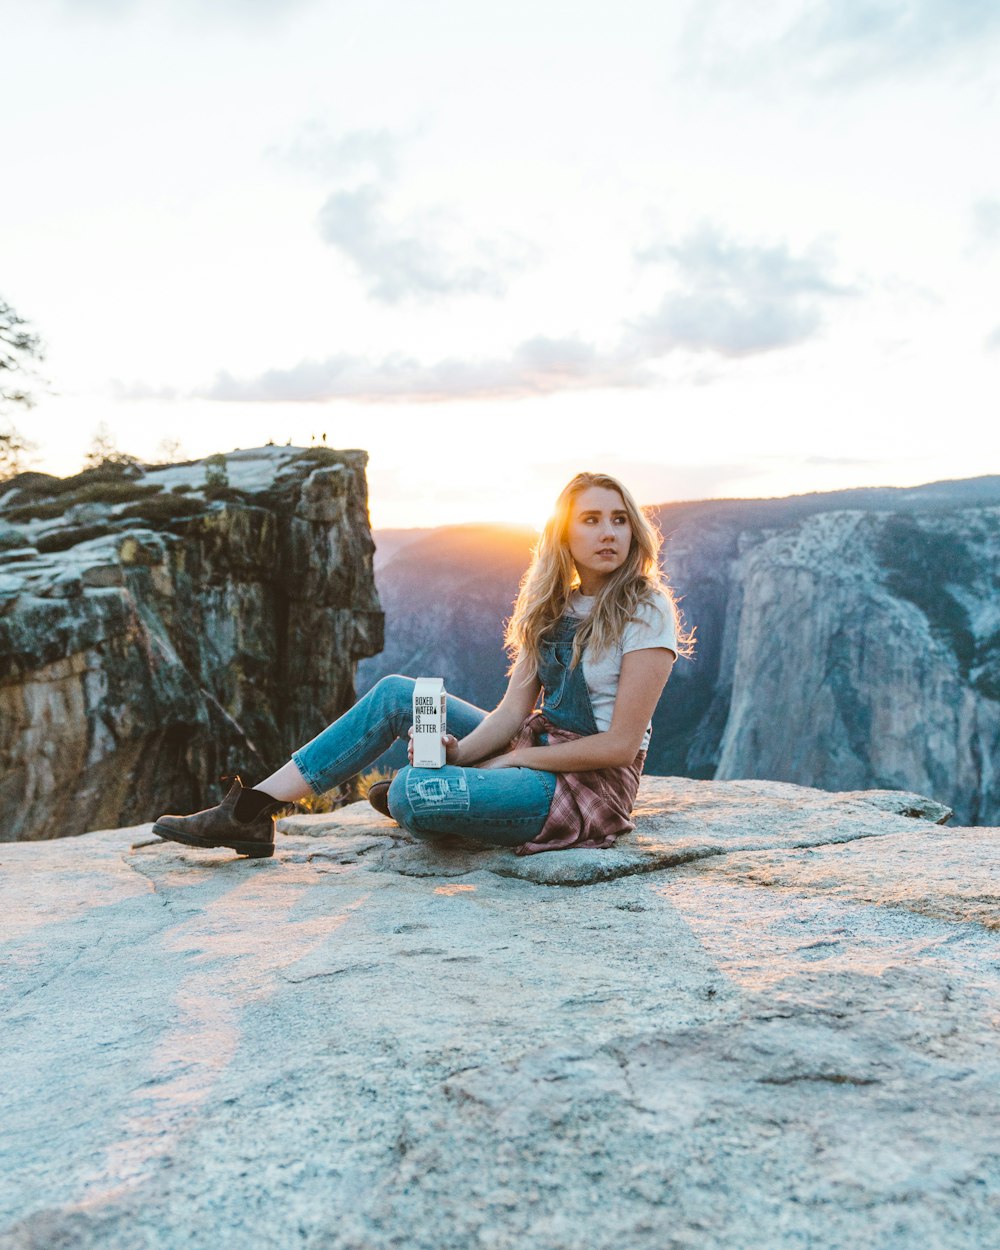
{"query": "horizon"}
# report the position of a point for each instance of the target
(707, 499)
(400, 468)
(519, 524)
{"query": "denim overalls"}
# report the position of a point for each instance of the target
(501, 806)
(567, 700)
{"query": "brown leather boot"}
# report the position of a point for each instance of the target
(218, 826)
(378, 797)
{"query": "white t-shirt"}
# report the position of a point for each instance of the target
(654, 628)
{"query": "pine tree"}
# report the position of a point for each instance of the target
(20, 348)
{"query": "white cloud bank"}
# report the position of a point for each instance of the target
(830, 43)
(724, 297)
(538, 366)
(235, 12)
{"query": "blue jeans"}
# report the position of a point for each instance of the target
(501, 806)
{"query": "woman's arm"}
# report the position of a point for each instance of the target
(495, 732)
(644, 673)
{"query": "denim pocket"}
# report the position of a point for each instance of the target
(553, 663)
(553, 697)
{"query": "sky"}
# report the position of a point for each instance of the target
(713, 248)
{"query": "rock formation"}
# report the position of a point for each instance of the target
(767, 1019)
(160, 628)
(848, 650)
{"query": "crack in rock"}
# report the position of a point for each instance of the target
(834, 1078)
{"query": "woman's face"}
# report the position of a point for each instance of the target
(599, 536)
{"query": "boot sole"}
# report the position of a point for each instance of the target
(252, 849)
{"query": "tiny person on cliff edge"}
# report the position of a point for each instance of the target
(594, 634)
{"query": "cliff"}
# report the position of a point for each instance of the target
(766, 1020)
(847, 650)
(845, 640)
(162, 627)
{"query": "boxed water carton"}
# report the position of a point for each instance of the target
(429, 722)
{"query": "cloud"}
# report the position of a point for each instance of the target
(726, 299)
(986, 221)
(835, 42)
(538, 366)
(397, 257)
(729, 299)
(100, 8)
(398, 260)
(242, 12)
(727, 325)
(849, 462)
(992, 343)
(318, 151)
(141, 390)
(861, 38)
(735, 299)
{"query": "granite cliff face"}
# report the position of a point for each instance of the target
(845, 640)
(849, 649)
(160, 628)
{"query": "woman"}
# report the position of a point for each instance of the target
(595, 632)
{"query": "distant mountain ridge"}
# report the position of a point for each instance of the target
(848, 639)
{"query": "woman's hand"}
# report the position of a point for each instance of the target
(450, 748)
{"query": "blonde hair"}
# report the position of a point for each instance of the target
(551, 578)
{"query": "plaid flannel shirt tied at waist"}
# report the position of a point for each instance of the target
(589, 809)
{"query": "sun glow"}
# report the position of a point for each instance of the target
(499, 500)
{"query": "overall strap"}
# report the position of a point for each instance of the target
(566, 697)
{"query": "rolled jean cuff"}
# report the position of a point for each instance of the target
(314, 784)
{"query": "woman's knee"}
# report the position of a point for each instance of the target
(429, 800)
(395, 696)
(419, 798)
(394, 686)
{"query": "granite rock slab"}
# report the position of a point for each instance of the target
(755, 1031)
(677, 821)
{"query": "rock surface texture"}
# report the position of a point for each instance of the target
(162, 627)
(767, 1020)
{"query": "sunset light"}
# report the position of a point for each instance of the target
(725, 274)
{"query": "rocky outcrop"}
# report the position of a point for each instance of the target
(161, 628)
(766, 1020)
